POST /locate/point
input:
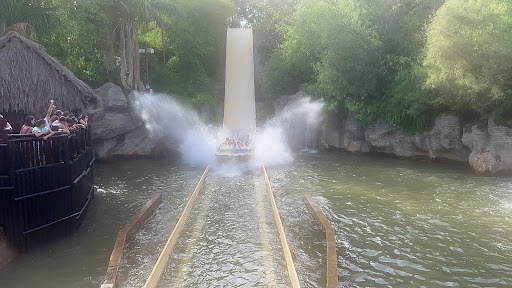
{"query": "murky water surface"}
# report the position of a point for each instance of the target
(398, 223)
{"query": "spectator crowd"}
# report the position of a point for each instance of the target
(54, 121)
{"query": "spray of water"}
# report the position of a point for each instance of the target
(168, 120)
(295, 126)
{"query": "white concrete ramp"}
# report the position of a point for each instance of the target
(239, 102)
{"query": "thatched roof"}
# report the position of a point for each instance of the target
(30, 78)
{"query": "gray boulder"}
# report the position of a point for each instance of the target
(353, 131)
(112, 97)
(136, 143)
(113, 125)
(474, 138)
(103, 148)
(331, 135)
(349, 134)
(491, 150)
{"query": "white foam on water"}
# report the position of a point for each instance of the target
(168, 120)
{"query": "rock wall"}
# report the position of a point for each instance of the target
(486, 148)
(117, 129)
(442, 141)
(491, 147)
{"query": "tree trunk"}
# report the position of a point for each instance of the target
(130, 63)
(122, 44)
(3, 26)
(136, 60)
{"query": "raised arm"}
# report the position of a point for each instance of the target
(49, 112)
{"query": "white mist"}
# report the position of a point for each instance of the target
(169, 120)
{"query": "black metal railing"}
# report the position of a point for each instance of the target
(45, 185)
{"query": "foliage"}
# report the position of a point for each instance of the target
(338, 62)
(398, 60)
(364, 56)
(38, 13)
(469, 55)
(194, 51)
(82, 55)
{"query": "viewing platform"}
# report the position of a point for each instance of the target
(45, 185)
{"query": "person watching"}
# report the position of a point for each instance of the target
(28, 125)
(41, 129)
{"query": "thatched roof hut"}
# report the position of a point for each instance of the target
(30, 78)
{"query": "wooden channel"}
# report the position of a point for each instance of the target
(332, 258)
(161, 263)
(286, 249)
(124, 236)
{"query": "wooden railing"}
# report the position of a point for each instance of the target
(45, 185)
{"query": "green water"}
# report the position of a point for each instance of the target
(404, 223)
(398, 223)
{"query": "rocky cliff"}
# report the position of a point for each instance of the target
(487, 147)
(491, 146)
(118, 130)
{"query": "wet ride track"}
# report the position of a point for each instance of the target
(162, 262)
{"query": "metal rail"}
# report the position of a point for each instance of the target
(286, 249)
(161, 263)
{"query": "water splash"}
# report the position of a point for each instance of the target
(180, 127)
(169, 121)
(295, 126)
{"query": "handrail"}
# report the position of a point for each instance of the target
(28, 151)
(332, 258)
(161, 263)
(286, 249)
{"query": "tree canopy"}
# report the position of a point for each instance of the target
(398, 60)
(469, 55)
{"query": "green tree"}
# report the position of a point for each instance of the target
(194, 46)
(127, 15)
(331, 49)
(363, 56)
(37, 13)
(469, 55)
(78, 40)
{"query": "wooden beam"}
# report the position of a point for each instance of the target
(161, 263)
(286, 249)
(330, 237)
(124, 237)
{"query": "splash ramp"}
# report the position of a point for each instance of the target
(239, 98)
(227, 238)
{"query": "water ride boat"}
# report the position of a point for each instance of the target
(233, 155)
